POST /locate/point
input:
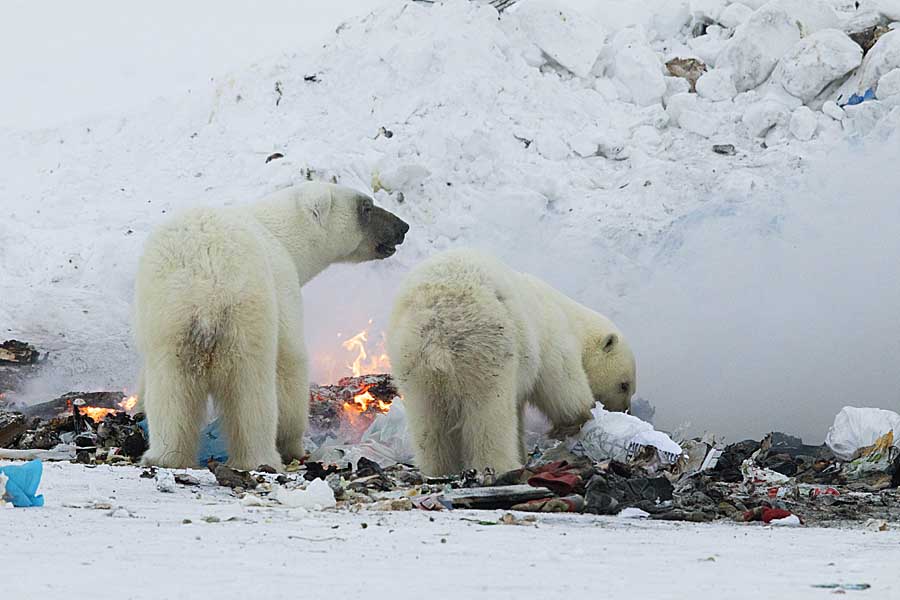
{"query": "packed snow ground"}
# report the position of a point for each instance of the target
(141, 548)
(758, 288)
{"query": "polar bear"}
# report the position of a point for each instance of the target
(218, 312)
(472, 341)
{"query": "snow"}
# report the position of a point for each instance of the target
(136, 544)
(716, 85)
(816, 61)
(881, 59)
(598, 179)
(803, 123)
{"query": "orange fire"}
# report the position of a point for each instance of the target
(128, 403)
(95, 413)
(363, 364)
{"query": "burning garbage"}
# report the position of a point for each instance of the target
(361, 458)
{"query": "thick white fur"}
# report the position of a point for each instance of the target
(218, 312)
(471, 342)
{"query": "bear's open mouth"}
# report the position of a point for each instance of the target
(385, 250)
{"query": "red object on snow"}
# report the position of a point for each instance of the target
(770, 514)
(559, 477)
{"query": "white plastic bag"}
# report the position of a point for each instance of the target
(856, 428)
(615, 435)
(387, 439)
(317, 495)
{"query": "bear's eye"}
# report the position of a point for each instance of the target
(625, 386)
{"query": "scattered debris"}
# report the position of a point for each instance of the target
(854, 587)
(867, 37)
(724, 149)
(14, 351)
(687, 68)
(317, 496)
(274, 156)
(488, 498)
(233, 478)
(312, 78)
(279, 91)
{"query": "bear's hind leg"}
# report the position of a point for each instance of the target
(293, 401)
(247, 399)
(174, 402)
(434, 432)
(489, 426)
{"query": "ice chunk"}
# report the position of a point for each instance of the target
(759, 118)
(803, 123)
(709, 9)
(569, 37)
(165, 481)
(890, 9)
(834, 111)
(888, 85)
(638, 69)
(734, 15)
(883, 58)
(816, 61)
(716, 85)
(762, 40)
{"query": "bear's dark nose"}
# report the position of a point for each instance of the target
(401, 227)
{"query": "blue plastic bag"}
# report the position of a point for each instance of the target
(857, 99)
(22, 484)
(212, 443)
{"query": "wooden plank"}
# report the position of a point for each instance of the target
(487, 498)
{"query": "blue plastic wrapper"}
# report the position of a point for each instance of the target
(213, 445)
(22, 484)
(857, 99)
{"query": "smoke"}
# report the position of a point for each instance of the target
(766, 311)
(760, 320)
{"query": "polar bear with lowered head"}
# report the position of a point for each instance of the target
(472, 341)
(218, 312)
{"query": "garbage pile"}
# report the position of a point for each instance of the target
(92, 427)
(361, 458)
(619, 465)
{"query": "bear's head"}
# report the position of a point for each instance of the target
(609, 365)
(360, 230)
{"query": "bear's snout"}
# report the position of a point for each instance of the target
(388, 230)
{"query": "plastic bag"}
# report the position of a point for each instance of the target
(213, 445)
(856, 428)
(387, 439)
(21, 484)
(615, 436)
(317, 496)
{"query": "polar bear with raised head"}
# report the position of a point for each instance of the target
(218, 312)
(472, 341)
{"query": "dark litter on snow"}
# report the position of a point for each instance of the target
(617, 464)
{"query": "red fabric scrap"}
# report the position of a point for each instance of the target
(558, 477)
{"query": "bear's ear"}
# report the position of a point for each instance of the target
(321, 207)
(609, 342)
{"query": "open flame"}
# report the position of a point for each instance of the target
(366, 364)
(128, 403)
(363, 364)
(98, 413)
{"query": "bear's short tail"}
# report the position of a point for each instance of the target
(452, 336)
